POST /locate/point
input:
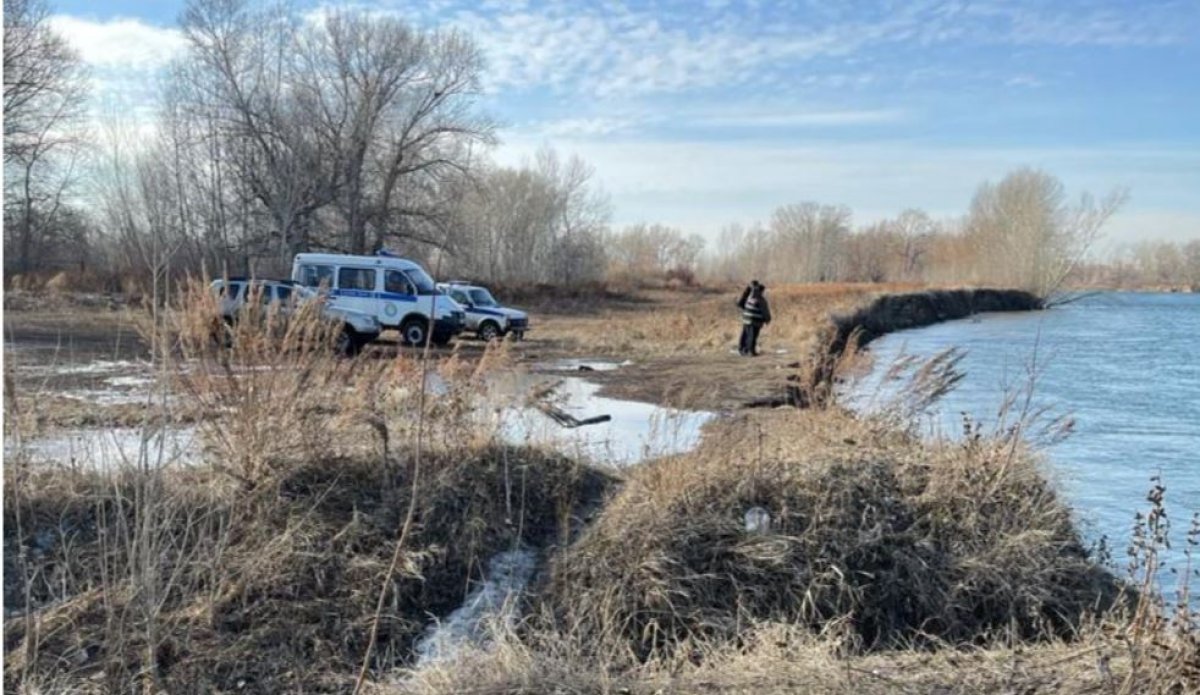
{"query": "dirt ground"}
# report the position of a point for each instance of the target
(84, 350)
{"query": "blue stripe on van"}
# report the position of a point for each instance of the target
(367, 294)
(486, 312)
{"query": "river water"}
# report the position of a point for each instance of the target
(1125, 366)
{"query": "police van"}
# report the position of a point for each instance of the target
(396, 291)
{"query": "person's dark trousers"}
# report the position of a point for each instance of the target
(752, 330)
(744, 341)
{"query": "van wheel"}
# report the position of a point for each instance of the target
(221, 334)
(489, 331)
(349, 343)
(413, 332)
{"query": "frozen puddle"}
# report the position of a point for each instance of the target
(635, 432)
(580, 365)
(103, 382)
(93, 367)
(491, 608)
(112, 448)
(122, 390)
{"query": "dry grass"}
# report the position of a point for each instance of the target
(909, 543)
(189, 583)
(774, 658)
(680, 322)
(682, 342)
(891, 565)
(260, 571)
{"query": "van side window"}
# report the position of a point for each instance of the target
(314, 275)
(396, 281)
(283, 293)
(356, 279)
(232, 291)
(460, 297)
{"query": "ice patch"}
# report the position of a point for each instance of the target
(108, 396)
(94, 367)
(636, 431)
(125, 390)
(130, 381)
(491, 608)
(580, 365)
(112, 448)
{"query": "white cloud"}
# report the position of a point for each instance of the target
(1028, 81)
(801, 119)
(622, 51)
(120, 44)
(581, 127)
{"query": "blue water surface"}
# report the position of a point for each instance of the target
(1125, 366)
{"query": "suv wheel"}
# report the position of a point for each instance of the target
(489, 331)
(413, 332)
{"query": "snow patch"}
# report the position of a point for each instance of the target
(489, 610)
(112, 448)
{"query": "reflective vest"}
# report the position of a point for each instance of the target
(752, 311)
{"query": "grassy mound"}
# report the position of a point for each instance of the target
(904, 541)
(186, 583)
(893, 312)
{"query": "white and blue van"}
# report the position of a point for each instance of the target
(396, 291)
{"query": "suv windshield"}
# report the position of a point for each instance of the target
(481, 297)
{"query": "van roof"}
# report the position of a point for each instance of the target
(344, 259)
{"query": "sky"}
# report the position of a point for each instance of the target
(698, 114)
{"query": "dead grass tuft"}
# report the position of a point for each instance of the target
(907, 542)
(260, 570)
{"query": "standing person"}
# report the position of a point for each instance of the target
(744, 340)
(756, 313)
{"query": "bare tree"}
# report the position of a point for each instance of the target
(352, 131)
(541, 222)
(240, 62)
(643, 252)
(872, 254)
(1191, 260)
(45, 92)
(916, 231)
(397, 106)
(1032, 235)
(808, 240)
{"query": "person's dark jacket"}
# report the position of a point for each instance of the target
(756, 310)
(741, 302)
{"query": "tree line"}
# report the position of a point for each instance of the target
(351, 131)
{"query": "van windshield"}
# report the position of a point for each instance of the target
(421, 279)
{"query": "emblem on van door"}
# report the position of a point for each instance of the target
(390, 309)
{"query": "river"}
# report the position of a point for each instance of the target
(1125, 366)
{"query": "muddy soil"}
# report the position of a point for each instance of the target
(714, 382)
(92, 360)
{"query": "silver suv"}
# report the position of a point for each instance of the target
(358, 328)
(485, 316)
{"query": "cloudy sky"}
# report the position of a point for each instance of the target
(698, 114)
